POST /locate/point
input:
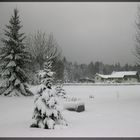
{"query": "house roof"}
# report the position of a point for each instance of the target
(119, 74)
(103, 76)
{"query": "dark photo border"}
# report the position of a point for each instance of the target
(69, 138)
(69, 0)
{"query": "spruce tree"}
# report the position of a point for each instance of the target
(47, 111)
(13, 59)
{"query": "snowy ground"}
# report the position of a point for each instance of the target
(114, 111)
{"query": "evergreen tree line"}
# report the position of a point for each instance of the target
(74, 72)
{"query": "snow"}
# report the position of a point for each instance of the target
(113, 112)
(103, 76)
(17, 82)
(5, 72)
(41, 73)
(11, 64)
(10, 56)
(123, 73)
(50, 123)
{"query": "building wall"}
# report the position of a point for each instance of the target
(98, 79)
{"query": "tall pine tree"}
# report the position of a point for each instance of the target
(13, 59)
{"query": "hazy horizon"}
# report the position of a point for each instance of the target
(85, 31)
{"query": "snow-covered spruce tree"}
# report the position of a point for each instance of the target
(13, 59)
(47, 111)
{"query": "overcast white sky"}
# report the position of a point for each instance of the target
(86, 31)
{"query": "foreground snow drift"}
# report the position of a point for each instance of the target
(114, 111)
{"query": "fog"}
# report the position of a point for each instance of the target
(85, 31)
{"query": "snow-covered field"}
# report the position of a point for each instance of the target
(114, 111)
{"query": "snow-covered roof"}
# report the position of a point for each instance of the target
(118, 74)
(123, 73)
(103, 76)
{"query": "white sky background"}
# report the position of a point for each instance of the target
(86, 31)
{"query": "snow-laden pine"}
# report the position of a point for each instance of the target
(13, 60)
(47, 110)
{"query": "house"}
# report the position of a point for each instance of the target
(118, 77)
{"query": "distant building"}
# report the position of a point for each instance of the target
(118, 77)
